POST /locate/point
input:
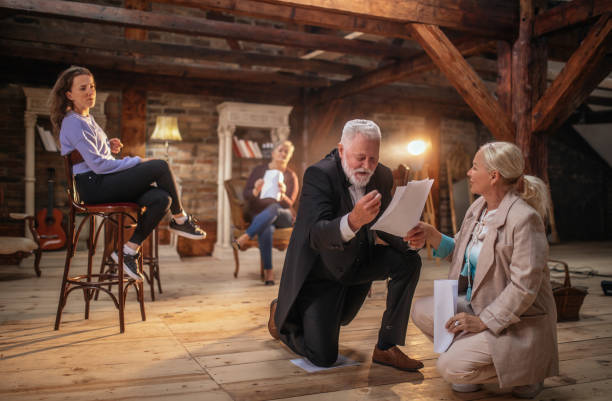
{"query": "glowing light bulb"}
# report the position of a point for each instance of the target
(416, 147)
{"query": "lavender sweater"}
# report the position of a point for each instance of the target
(86, 136)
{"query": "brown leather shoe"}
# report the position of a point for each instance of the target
(394, 357)
(271, 324)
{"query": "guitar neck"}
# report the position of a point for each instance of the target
(50, 198)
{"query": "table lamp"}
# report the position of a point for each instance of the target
(166, 129)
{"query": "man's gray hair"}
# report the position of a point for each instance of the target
(367, 128)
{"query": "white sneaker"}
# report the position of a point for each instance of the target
(528, 391)
(466, 387)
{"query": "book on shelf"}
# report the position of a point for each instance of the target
(236, 147)
(243, 149)
(246, 148)
(247, 143)
(256, 150)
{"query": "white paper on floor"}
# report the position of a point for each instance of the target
(309, 367)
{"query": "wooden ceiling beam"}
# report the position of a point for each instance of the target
(393, 72)
(44, 73)
(463, 77)
(491, 18)
(300, 16)
(199, 26)
(155, 67)
(589, 64)
(113, 43)
(568, 14)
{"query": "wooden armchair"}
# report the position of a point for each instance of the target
(20, 247)
(280, 240)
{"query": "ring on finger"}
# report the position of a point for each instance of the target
(456, 322)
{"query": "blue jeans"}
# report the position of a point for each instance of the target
(264, 224)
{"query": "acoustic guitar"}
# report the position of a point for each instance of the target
(49, 220)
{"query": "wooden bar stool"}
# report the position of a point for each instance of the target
(113, 214)
(150, 257)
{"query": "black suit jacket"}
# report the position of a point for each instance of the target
(316, 241)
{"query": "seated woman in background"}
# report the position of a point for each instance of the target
(100, 178)
(505, 328)
(266, 214)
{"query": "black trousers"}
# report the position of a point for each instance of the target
(322, 306)
(135, 185)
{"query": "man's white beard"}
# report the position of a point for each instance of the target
(352, 176)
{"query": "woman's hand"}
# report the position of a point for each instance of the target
(465, 322)
(257, 187)
(416, 237)
(115, 145)
(282, 188)
(422, 232)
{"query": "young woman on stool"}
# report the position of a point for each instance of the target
(100, 178)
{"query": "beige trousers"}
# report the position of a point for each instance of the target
(468, 359)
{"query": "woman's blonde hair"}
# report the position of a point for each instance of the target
(285, 142)
(59, 104)
(507, 159)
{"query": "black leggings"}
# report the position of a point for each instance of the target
(135, 185)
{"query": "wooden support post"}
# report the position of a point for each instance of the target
(320, 121)
(134, 100)
(521, 88)
(538, 148)
(529, 67)
(504, 76)
(432, 129)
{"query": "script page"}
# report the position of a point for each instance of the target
(445, 307)
(270, 187)
(405, 209)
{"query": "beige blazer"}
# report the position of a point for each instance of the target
(511, 292)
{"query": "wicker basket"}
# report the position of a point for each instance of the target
(568, 299)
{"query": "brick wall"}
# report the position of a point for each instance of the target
(12, 154)
(194, 160)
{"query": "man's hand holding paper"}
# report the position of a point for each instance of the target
(365, 210)
(405, 209)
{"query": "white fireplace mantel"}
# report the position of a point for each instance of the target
(232, 115)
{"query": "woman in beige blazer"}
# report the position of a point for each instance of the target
(505, 330)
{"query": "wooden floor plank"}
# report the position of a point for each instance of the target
(206, 338)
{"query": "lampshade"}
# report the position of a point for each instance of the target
(166, 129)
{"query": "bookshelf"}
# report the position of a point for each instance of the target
(260, 123)
(250, 147)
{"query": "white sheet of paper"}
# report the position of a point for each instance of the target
(405, 209)
(310, 368)
(47, 139)
(445, 307)
(270, 187)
